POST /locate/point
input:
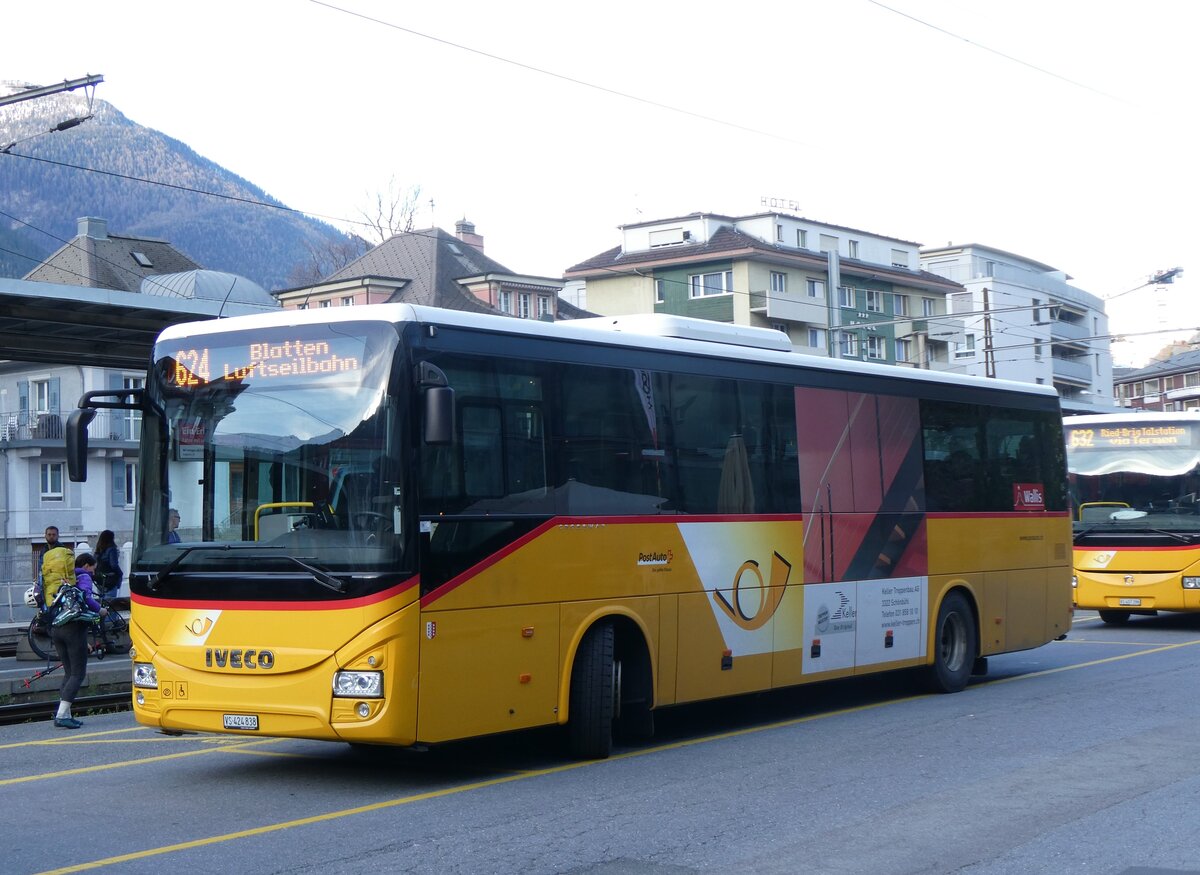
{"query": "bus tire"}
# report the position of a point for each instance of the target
(593, 694)
(1115, 618)
(954, 645)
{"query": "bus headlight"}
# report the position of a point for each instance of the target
(1191, 583)
(358, 685)
(1074, 581)
(145, 675)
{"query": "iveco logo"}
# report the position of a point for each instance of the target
(236, 657)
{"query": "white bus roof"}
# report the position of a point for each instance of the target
(739, 343)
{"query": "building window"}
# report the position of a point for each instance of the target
(348, 301)
(523, 300)
(779, 233)
(660, 291)
(1152, 387)
(303, 306)
(904, 350)
(816, 288)
(801, 238)
(778, 282)
(130, 483)
(875, 347)
(707, 284)
(845, 296)
(852, 248)
(543, 306)
(899, 258)
(131, 420)
(874, 301)
(967, 349)
(780, 327)
(928, 307)
(1037, 351)
(52, 481)
(816, 338)
(1037, 310)
(324, 303)
(1192, 379)
(41, 396)
(505, 305)
(849, 344)
(900, 305)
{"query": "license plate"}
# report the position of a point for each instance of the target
(1130, 603)
(241, 721)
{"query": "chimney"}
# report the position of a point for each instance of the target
(465, 231)
(95, 228)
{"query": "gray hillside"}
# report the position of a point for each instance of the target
(259, 243)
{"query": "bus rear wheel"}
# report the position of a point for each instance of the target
(1115, 618)
(595, 690)
(954, 646)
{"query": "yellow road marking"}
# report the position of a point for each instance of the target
(64, 738)
(1038, 674)
(83, 770)
(551, 770)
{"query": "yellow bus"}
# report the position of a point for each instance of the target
(407, 526)
(1135, 481)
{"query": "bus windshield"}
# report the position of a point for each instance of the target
(1134, 474)
(272, 449)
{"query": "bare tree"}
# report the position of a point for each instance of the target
(325, 259)
(391, 212)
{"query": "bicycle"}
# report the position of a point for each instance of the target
(109, 634)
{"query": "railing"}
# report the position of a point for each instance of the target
(109, 425)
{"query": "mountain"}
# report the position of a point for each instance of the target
(269, 246)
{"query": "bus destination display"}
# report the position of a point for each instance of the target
(1124, 436)
(202, 365)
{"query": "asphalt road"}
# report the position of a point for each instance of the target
(1076, 757)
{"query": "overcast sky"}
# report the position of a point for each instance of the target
(1062, 131)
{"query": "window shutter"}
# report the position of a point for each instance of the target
(23, 392)
(118, 482)
(55, 394)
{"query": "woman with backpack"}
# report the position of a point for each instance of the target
(108, 565)
(69, 634)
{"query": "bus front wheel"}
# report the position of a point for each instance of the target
(1115, 618)
(594, 693)
(954, 645)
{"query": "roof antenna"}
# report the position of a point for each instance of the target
(227, 294)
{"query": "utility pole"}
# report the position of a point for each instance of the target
(67, 85)
(989, 354)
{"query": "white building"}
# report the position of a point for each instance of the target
(1024, 321)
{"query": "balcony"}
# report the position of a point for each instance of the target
(109, 425)
(1072, 370)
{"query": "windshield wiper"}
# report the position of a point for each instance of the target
(1113, 530)
(322, 577)
(1186, 539)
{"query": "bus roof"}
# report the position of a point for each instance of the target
(738, 343)
(1132, 417)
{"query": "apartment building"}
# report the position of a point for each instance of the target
(1024, 321)
(833, 290)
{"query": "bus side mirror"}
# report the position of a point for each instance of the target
(439, 415)
(77, 441)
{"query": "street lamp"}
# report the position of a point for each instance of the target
(1163, 277)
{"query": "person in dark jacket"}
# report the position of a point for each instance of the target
(70, 642)
(108, 577)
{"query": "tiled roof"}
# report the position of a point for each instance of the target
(432, 260)
(1184, 361)
(726, 241)
(109, 263)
